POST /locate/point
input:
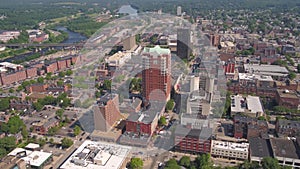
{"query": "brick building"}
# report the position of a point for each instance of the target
(39, 88)
(139, 126)
(192, 140)
(20, 105)
(247, 127)
(51, 67)
(156, 74)
(43, 126)
(61, 64)
(287, 128)
(107, 113)
(31, 72)
(12, 77)
(145, 122)
(288, 98)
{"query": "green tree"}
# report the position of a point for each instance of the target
(69, 72)
(170, 104)
(51, 140)
(77, 130)
(24, 132)
(15, 124)
(7, 144)
(172, 164)
(4, 104)
(61, 74)
(40, 80)
(261, 118)
(136, 163)
(162, 121)
(20, 88)
(66, 142)
(48, 76)
(107, 84)
(41, 142)
(60, 83)
(53, 130)
(292, 75)
(270, 163)
(37, 106)
(59, 113)
(185, 161)
(204, 161)
(11, 90)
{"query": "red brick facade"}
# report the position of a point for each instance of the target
(154, 79)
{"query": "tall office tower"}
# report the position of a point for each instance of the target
(129, 43)
(107, 112)
(156, 75)
(179, 12)
(183, 43)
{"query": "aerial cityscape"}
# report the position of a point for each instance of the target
(149, 84)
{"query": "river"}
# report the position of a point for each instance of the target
(73, 37)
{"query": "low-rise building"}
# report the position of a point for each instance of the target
(230, 150)
(247, 127)
(288, 98)
(5, 36)
(20, 105)
(287, 128)
(44, 125)
(97, 155)
(267, 70)
(31, 158)
(249, 106)
(118, 59)
(192, 140)
(286, 152)
(259, 149)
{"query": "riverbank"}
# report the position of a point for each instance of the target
(29, 55)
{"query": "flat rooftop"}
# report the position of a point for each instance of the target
(119, 55)
(248, 76)
(254, 104)
(230, 145)
(249, 104)
(9, 65)
(97, 155)
(149, 115)
(260, 147)
(256, 68)
(287, 94)
(37, 158)
(284, 148)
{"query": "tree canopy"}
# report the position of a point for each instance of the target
(136, 163)
(66, 142)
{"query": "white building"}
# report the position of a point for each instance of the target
(5, 36)
(179, 11)
(34, 159)
(250, 106)
(229, 150)
(97, 155)
(118, 59)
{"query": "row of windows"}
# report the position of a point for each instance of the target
(226, 151)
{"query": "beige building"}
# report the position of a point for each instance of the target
(129, 43)
(230, 150)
